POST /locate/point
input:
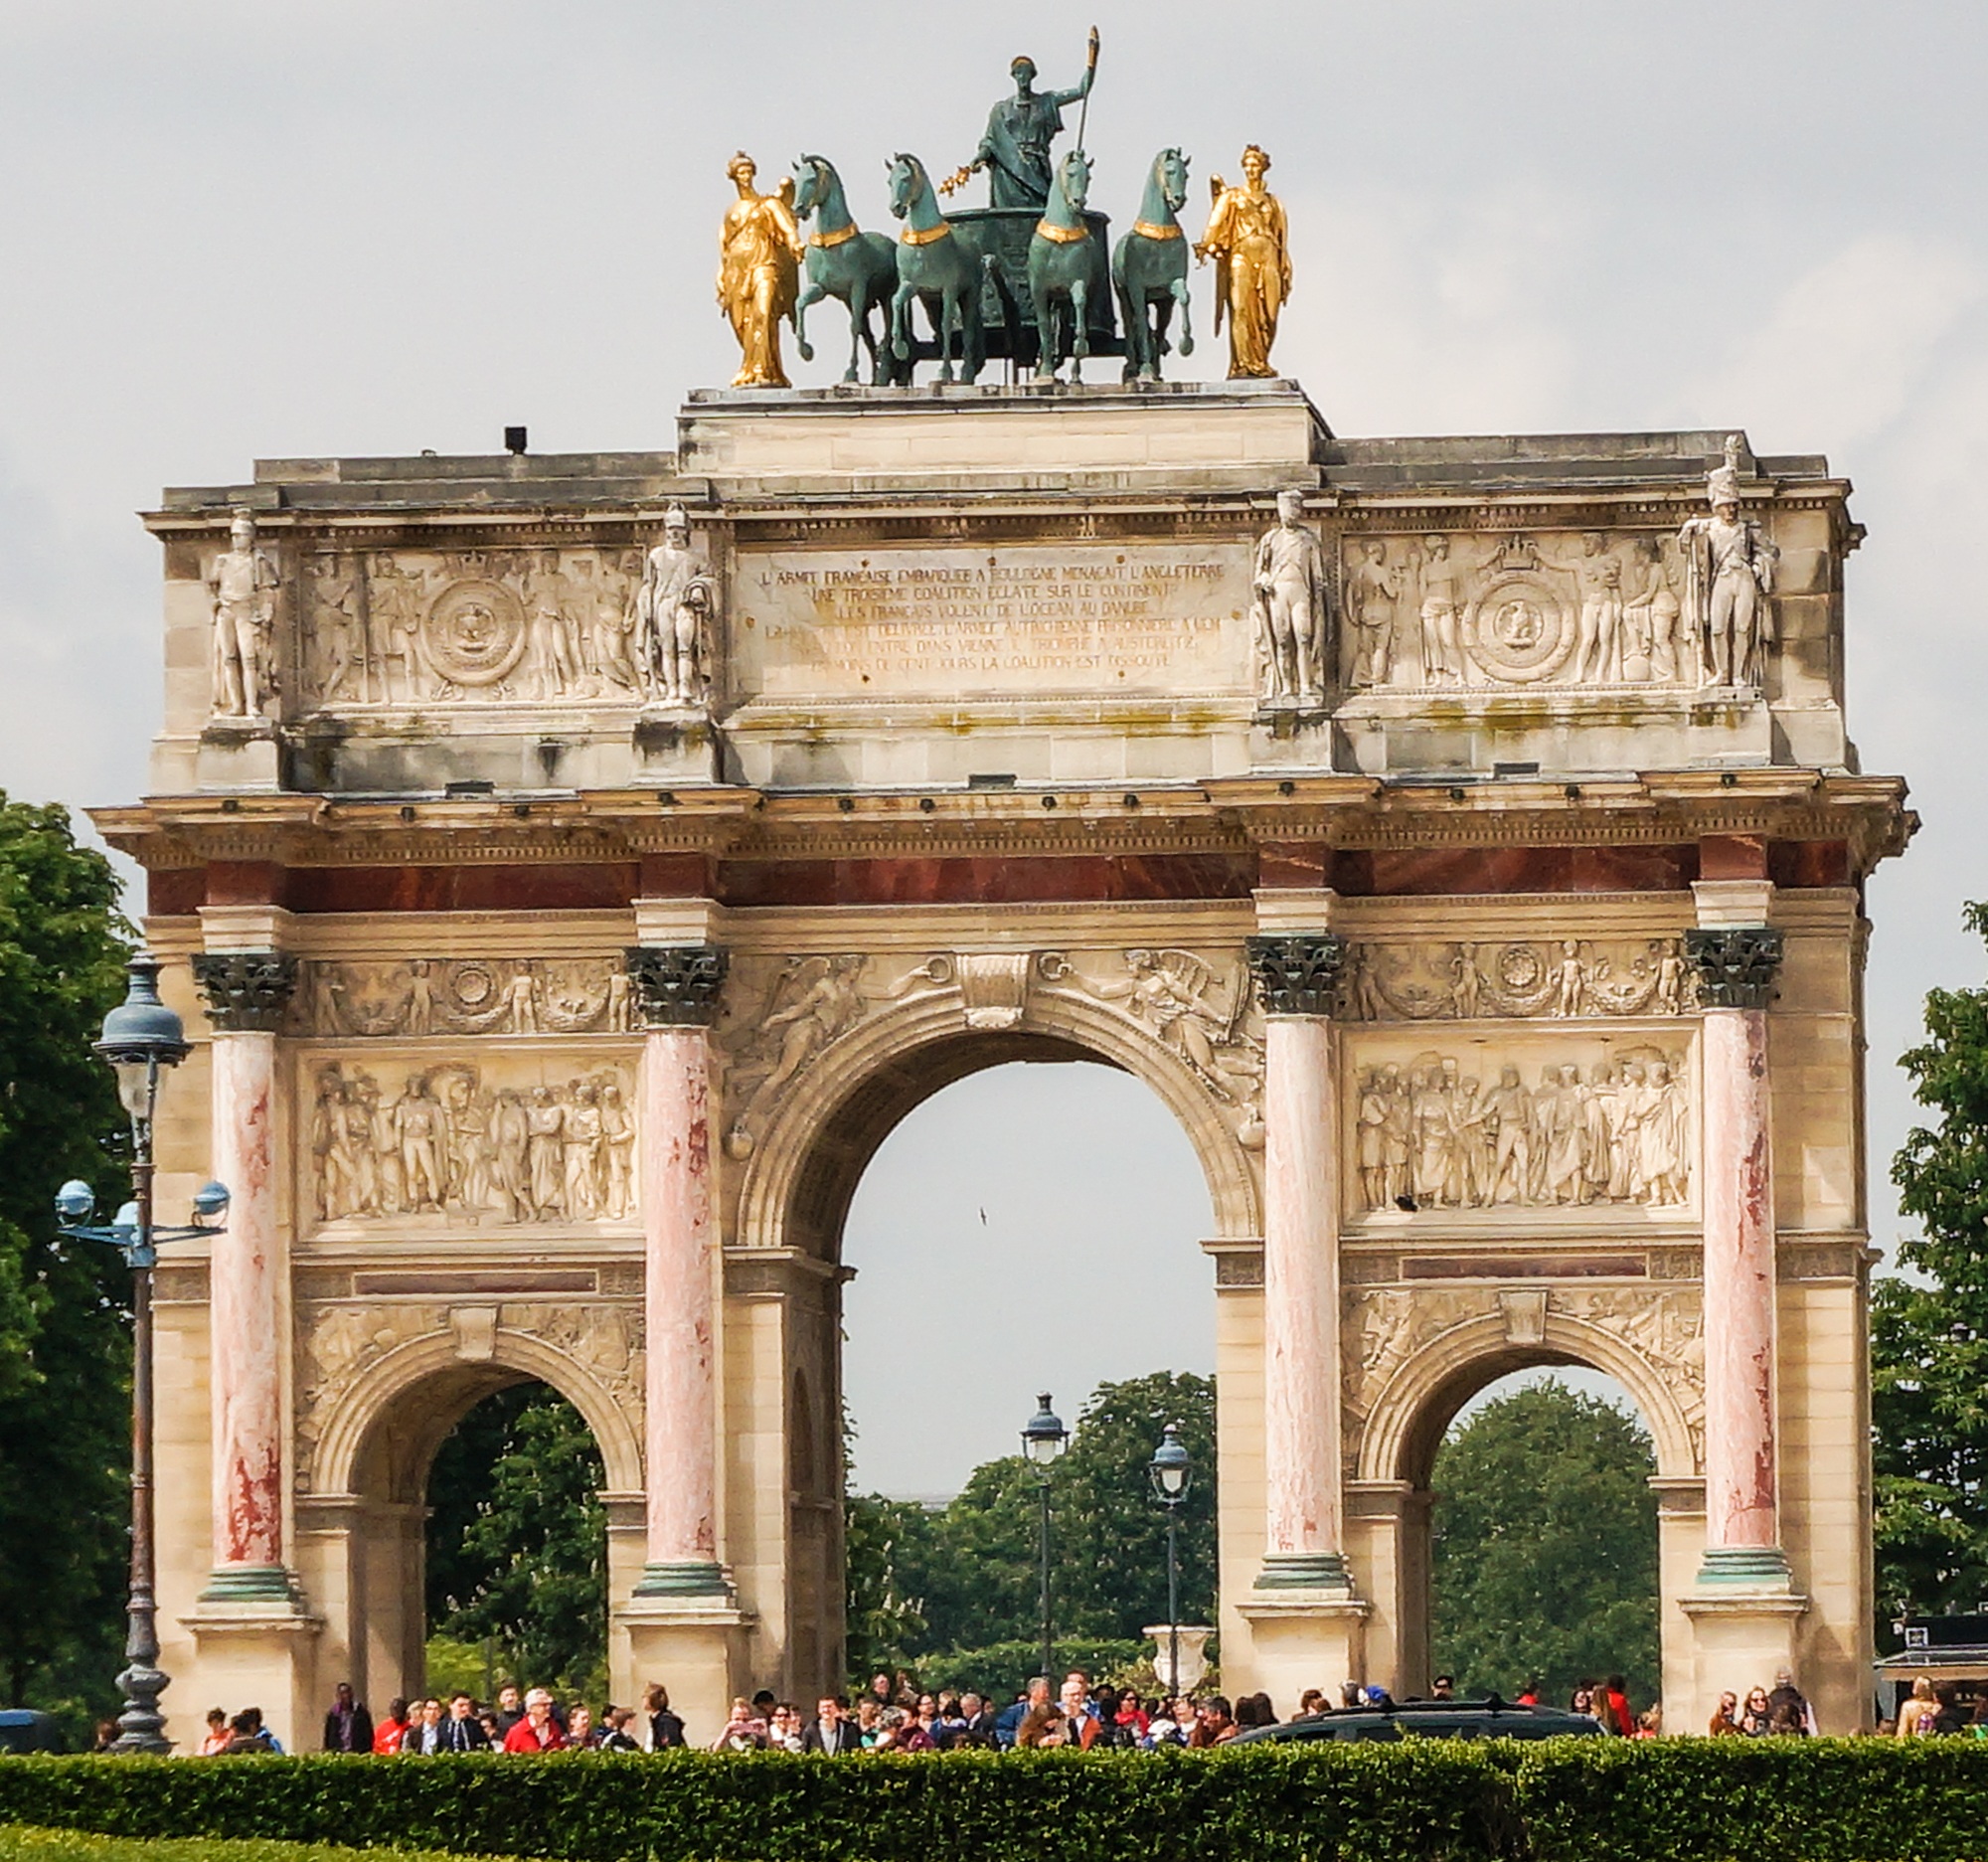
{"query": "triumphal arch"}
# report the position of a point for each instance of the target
(572, 866)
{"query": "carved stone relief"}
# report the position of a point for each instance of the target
(335, 1345)
(472, 626)
(1536, 1130)
(465, 996)
(508, 1143)
(1494, 977)
(1596, 608)
(1383, 1327)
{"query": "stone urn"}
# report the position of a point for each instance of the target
(1193, 1654)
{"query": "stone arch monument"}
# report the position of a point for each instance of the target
(609, 849)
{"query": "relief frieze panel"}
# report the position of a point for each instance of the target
(1554, 978)
(420, 996)
(1578, 1126)
(454, 1142)
(1588, 609)
(408, 629)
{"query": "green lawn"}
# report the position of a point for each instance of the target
(20, 1843)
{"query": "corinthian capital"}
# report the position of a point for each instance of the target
(677, 985)
(1297, 974)
(1735, 964)
(247, 991)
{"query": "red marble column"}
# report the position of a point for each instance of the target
(1304, 1514)
(678, 991)
(1742, 1507)
(247, 994)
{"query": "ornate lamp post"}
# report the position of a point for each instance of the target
(143, 1040)
(1043, 1440)
(1171, 1473)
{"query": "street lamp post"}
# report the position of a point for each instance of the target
(1043, 1440)
(142, 1040)
(1171, 1473)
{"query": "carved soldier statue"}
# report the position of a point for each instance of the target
(674, 610)
(243, 584)
(1728, 579)
(1290, 590)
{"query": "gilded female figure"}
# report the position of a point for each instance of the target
(758, 274)
(1251, 245)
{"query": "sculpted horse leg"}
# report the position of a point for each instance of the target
(900, 334)
(814, 294)
(1187, 326)
(1079, 342)
(1046, 355)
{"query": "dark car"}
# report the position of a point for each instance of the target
(1433, 1718)
(25, 1731)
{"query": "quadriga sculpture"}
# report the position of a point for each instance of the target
(842, 261)
(1149, 269)
(1066, 270)
(938, 268)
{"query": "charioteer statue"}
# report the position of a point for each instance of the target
(1015, 151)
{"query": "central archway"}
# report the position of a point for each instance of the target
(793, 1201)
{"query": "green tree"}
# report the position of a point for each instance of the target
(65, 1351)
(1929, 1331)
(1546, 1546)
(924, 1585)
(518, 1537)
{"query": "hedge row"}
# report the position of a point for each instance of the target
(1572, 1801)
(19, 1845)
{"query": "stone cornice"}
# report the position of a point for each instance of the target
(1229, 816)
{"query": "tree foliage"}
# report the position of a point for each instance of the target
(924, 1585)
(1930, 1328)
(64, 1352)
(518, 1537)
(1546, 1546)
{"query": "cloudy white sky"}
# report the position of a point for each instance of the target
(231, 229)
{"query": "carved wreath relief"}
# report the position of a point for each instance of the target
(464, 995)
(448, 1138)
(1472, 1131)
(1562, 977)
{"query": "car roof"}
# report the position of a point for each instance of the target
(1429, 1713)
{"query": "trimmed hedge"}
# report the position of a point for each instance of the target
(1433, 1800)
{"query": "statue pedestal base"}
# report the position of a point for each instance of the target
(675, 744)
(695, 1645)
(253, 1652)
(238, 753)
(1740, 1641)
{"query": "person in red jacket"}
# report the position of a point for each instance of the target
(1612, 1707)
(538, 1731)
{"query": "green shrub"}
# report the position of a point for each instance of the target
(1431, 1801)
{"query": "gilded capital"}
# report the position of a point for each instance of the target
(1297, 974)
(1735, 964)
(677, 985)
(245, 992)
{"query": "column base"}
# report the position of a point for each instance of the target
(250, 1584)
(1745, 1568)
(1739, 1640)
(1305, 1571)
(695, 1646)
(1300, 1639)
(693, 1578)
(252, 1651)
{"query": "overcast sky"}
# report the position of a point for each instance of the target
(231, 230)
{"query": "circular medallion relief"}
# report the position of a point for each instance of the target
(475, 632)
(1519, 630)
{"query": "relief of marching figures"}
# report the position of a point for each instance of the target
(464, 997)
(447, 1142)
(1562, 977)
(1428, 1136)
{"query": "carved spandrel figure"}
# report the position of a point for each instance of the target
(243, 582)
(673, 611)
(1366, 649)
(1250, 241)
(1288, 582)
(1649, 616)
(1015, 151)
(758, 273)
(1728, 579)
(1440, 616)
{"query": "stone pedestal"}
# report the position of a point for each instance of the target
(246, 993)
(1303, 1638)
(695, 1646)
(239, 753)
(674, 746)
(677, 988)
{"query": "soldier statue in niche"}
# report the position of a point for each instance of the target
(242, 583)
(674, 612)
(1728, 579)
(1288, 582)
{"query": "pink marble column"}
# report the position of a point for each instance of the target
(1301, 1370)
(678, 990)
(1741, 1516)
(246, 993)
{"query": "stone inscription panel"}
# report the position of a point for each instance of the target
(1013, 624)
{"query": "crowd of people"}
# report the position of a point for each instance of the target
(894, 1715)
